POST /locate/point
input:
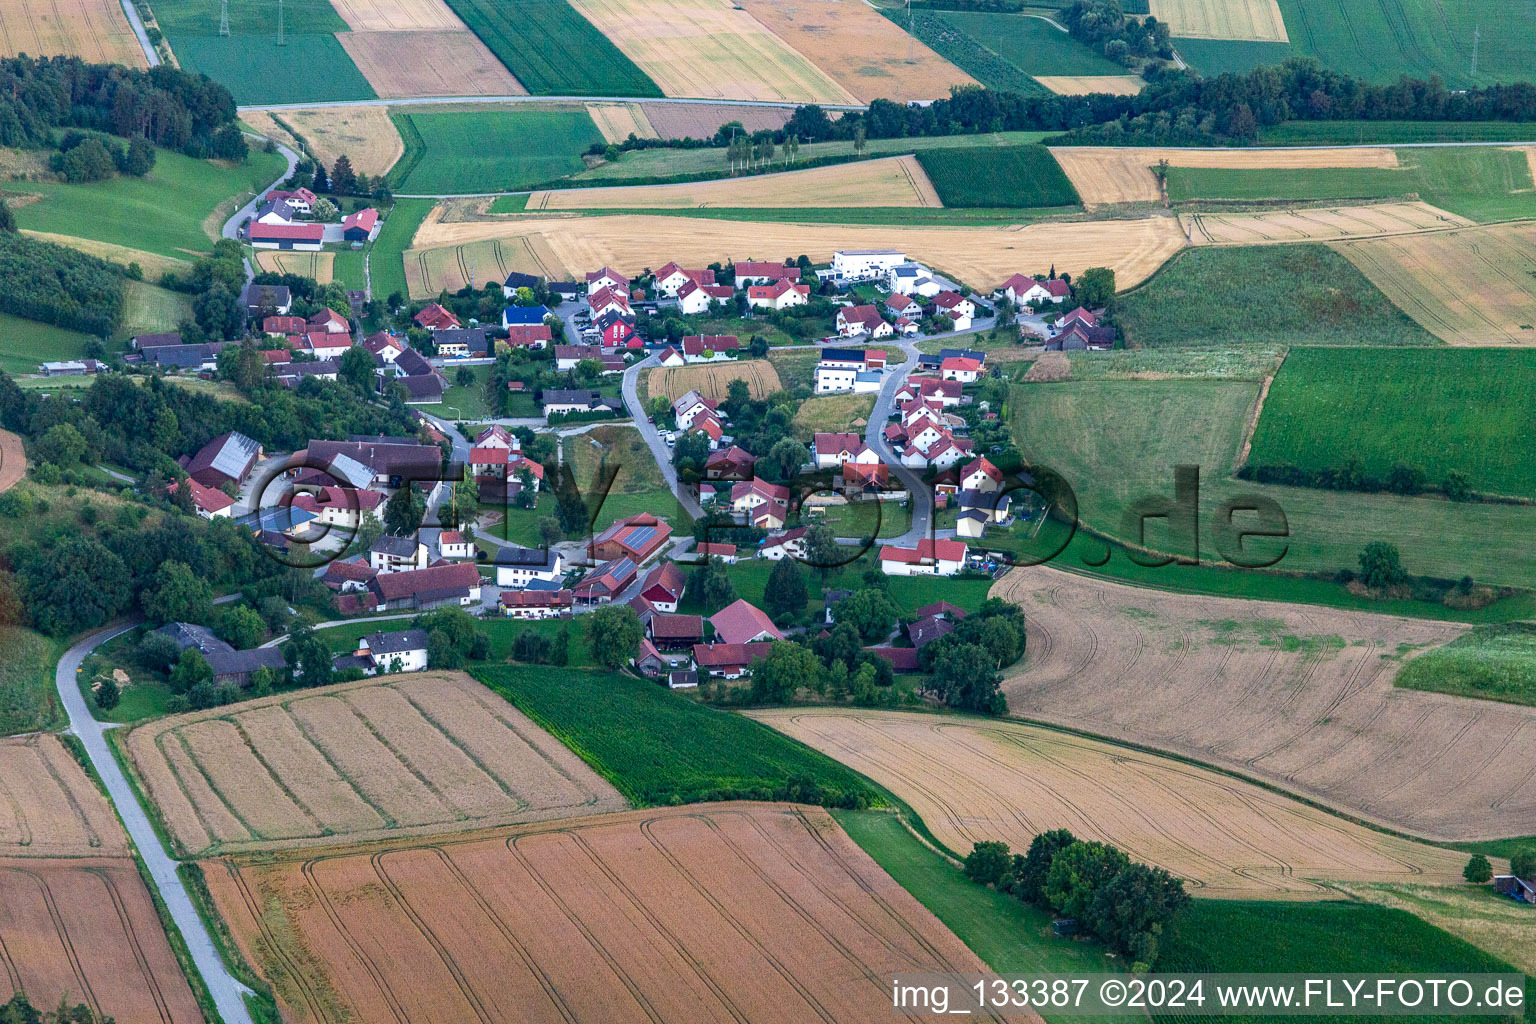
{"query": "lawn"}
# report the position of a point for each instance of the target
(176, 209)
(491, 150)
(348, 269)
(146, 696)
(1380, 41)
(832, 414)
(150, 309)
(1481, 183)
(1116, 442)
(385, 263)
(1438, 410)
(1492, 662)
(552, 49)
(659, 748)
(1212, 57)
(1318, 133)
(1303, 294)
(462, 403)
(27, 698)
(998, 176)
(26, 343)
(749, 577)
(638, 485)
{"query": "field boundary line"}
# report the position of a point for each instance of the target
(398, 756)
(64, 939)
(388, 819)
(93, 838)
(544, 755)
(1253, 418)
(459, 745)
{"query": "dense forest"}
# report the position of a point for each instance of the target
(59, 285)
(172, 108)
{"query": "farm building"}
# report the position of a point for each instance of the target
(457, 583)
(742, 622)
(606, 582)
(227, 459)
(288, 237)
(928, 558)
(536, 604)
(208, 501)
(640, 538)
(230, 667)
(865, 264)
(732, 661)
(360, 226)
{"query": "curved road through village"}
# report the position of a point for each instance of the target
(227, 992)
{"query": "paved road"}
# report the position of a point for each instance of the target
(232, 226)
(138, 29)
(225, 989)
(659, 449)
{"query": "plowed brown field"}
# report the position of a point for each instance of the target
(982, 257)
(712, 380)
(407, 755)
(1296, 695)
(973, 780)
(700, 121)
(85, 930)
(742, 912)
(451, 63)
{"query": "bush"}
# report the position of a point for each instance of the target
(1478, 870)
(987, 863)
(1381, 567)
(1522, 864)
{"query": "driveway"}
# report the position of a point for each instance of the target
(225, 989)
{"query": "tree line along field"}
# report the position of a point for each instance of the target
(1360, 133)
(1443, 410)
(972, 780)
(1013, 176)
(487, 151)
(552, 50)
(417, 754)
(747, 912)
(76, 920)
(1302, 294)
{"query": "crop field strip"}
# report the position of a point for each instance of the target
(96, 31)
(366, 760)
(1258, 20)
(982, 257)
(1323, 224)
(1082, 85)
(476, 148)
(887, 182)
(1474, 287)
(429, 271)
(618, 121)
(317, 265)
(972, 781)
(442, 63)
(13, 460)
(1294, 695)
(552, 50)
(701, 121)
(864, 52)
(48, 808)
(713, 380)
(710, 50)
(750, 912)
(997, 176)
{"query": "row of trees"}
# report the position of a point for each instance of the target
(1351, 475)
(1126, 905)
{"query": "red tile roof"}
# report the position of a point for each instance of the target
(926, 551)
(741, 620)
(729, 655)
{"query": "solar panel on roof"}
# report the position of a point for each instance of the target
(641, 536)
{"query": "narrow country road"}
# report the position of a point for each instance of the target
(232, 225)
(659, 449)
(137, 24)
(225, 989)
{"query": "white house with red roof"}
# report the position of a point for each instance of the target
(533, 336)
(605, 299)
(694, 298)
(453, 544)
(781, 294)
(606, 278)
(385, 347)
(960, 368)
(329, 321)
(902, 305)
(789, 544)
(498, 436)
(300, 199)
(748, 496)
(956, 308)
(981, 475)
(333, 506)
(853, 321)
(834, 449)
(928, 389)
(709, 348)
(928, 558)
(320, 344)
(689, 407)
(1021, 290)
(670, 356)
(750, 272)
(210, 502)
(742, 622)
(281, 326)
(435, 318)
(671, 278)
(663, 587)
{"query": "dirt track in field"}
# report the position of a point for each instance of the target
(402, 755)
(1296, 695)
(736, 912)
(318, 265)
(13, 461)
(981, 257)
(972, 780)
(1334, 224)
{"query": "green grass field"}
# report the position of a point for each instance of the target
(552, 49)
(1212, 57)
(1482, 183)
(1003, 51)
(1491, 662)
(467, 402)
(490, 151)
(996, 176)
(26, 343)
(1315, 133)
(1116, 442)
(1380, 41)
(385, 262)
(1304, 294)
(659, 748)
(150, 309)
(749, 576)
(1437, 410)
(176, 209)
(27, 699)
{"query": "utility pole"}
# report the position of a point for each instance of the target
(280, 40)
(223, 17)
(1477, 34)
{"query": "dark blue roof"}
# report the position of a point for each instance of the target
(519, 315)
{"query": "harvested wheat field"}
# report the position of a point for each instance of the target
(1295, 695)
(396, 16)
(429, 271)
(406, 755)
(712, 380)
(618, 121)
(982, 257)
(892, 181)
(96, 31)
(317, 265)
(1084, 85)
(1318, 225)
(865, 52)
(365, 134)
(1473, 287)
(440, 64)
(13, 461)
(700, 121)
(734, 912)
(1102, 176)
(86, 929)
(710, 49)
(1223, 19)
(973, 780)
(48, 805)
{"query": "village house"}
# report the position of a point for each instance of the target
(606, 299)
(420, 389)
(706, 348)
(689, 407)
(981, 475)
(1078, 337)
(670, 278)
(320, 344)
(853, 321)
(670, 356)
(912, 279)
(227, 459)
(663, 587)
(928, 389)
(971, 523)
(929, 362)
(956, 308)
(531, 336)
(789, 544)
(567, 357)
(437, 586)
(865, 264)
(342, 508)
(859, 480)
(460, 342)
(966, 371)
(274, 211)
(781, 295)
(606, 278)
(751, 272)
(204, 357)
(833, 449)
(388, 464)
(748, 496)
(729, 661)
(301, 200)
(639, 537)
(536, 604)
(230, 667)
(742, 622)
(391, 553)
(617, 330)
(694, 298)
(434, 317)
(562, 402)
(329, 321)
(389, 653)
(710, 549)
(282, 326)
(385, 347)
(453, 545)
(731, 464)
(209, 502)
(516, 280)
(1021, 290)
(518, 567)
(523, 316)
(928, 558)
